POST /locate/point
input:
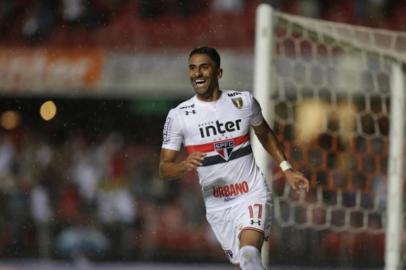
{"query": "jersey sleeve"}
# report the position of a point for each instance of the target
(172, 132)
(256, 116)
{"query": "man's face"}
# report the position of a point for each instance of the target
(204, 74)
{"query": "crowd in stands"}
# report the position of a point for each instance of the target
(170, 24)
(100, 198)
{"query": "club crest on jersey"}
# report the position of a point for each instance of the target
(237, 102)
(224, 148)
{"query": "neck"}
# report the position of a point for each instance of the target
(212, 96)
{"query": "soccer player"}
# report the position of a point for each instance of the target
(214, 127)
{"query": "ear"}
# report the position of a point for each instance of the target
(219, 73)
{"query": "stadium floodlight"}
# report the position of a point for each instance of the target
(334, 94)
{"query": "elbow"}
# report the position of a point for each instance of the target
(169, 170)
(163, 175)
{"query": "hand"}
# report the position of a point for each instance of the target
(297, 180)
(193, 161)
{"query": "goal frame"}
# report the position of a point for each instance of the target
(263, 89)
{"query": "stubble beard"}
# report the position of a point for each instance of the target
(206, 92)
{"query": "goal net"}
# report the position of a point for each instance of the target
(328, 93)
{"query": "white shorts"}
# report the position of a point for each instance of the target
(252, 213)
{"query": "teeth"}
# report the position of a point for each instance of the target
(199, 81)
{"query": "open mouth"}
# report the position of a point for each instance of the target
(199, 82)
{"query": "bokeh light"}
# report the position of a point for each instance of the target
(48, 110)
(10, 120)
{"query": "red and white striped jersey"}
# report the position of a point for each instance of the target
(221, 129)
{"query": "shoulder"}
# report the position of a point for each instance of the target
(241, 97)
(184, 107)
(238, 93)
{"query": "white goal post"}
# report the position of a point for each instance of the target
(334, 88)
(394, 227)
(262, 84)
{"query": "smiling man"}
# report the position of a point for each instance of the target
(214, 127)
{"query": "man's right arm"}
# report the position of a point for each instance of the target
(169, 168)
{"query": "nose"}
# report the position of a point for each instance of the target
(197, 72)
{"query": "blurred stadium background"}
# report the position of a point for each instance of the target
(84, 90)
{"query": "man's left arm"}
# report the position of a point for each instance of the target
(271, 144)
